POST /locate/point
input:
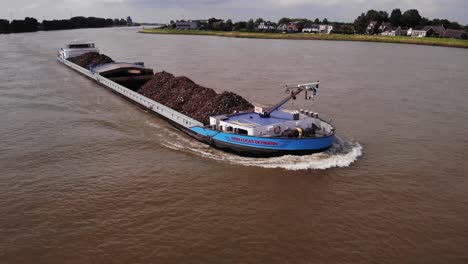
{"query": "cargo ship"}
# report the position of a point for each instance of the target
(260, 132)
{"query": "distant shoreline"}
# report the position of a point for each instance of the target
(443, 42)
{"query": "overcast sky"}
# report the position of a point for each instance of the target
(163, 11)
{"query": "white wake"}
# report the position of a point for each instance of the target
(342, 154)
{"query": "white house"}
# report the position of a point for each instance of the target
(266, 26)
(409, 32)
(325, 29)
(418, 33)
(311, 29)
(394, 31)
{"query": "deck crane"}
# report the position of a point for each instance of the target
(293, 91)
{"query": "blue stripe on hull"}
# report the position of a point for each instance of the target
(264, 143)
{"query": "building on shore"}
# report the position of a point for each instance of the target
(282, 28)
(394, 31)
(266, 26)
(455, 33)
(427, 31)
(434, 31)
(314, 28)
(417, 33)
(185, 25)
(295, 26)
(325, 29)
(372, 28)
(385, 26)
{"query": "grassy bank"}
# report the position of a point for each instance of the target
(446, 42)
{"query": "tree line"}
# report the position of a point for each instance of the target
(30, 24)
(409, 19)
(251, 25)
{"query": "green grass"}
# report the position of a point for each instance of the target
(446, 42)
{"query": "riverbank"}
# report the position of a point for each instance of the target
(445, 42)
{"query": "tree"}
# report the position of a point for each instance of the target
(325, 21)
(383, 16)
(379, 16)
(228, 25)
(343, 28)
(97, 22)
(454, 25)
(284, 20)
(446, 23)
(411, 18)
(211, 23)
(395, 17)
(4, 25)
(218, 25)
(29, 24)
(258, 21)
(57, 24)
(79, 22)
(360, 24)
(241, 25)
(213, 20)
(362, 21)
(109, 22)
(250, 24)
(424, 22)
(317, 21)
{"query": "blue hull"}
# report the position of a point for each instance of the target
(261, 146)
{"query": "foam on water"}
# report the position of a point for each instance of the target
(342, 154)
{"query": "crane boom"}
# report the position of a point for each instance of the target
(294, 91)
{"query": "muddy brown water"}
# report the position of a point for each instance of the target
(86, 177)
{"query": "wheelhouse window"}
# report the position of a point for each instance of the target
(242, 131)
(81, 46)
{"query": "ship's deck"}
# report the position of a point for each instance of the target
(253, 119)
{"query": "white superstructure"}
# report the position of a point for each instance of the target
(76, 48)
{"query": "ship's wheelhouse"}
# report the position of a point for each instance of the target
(74, 49)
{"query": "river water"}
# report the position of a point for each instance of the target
(86, 177)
